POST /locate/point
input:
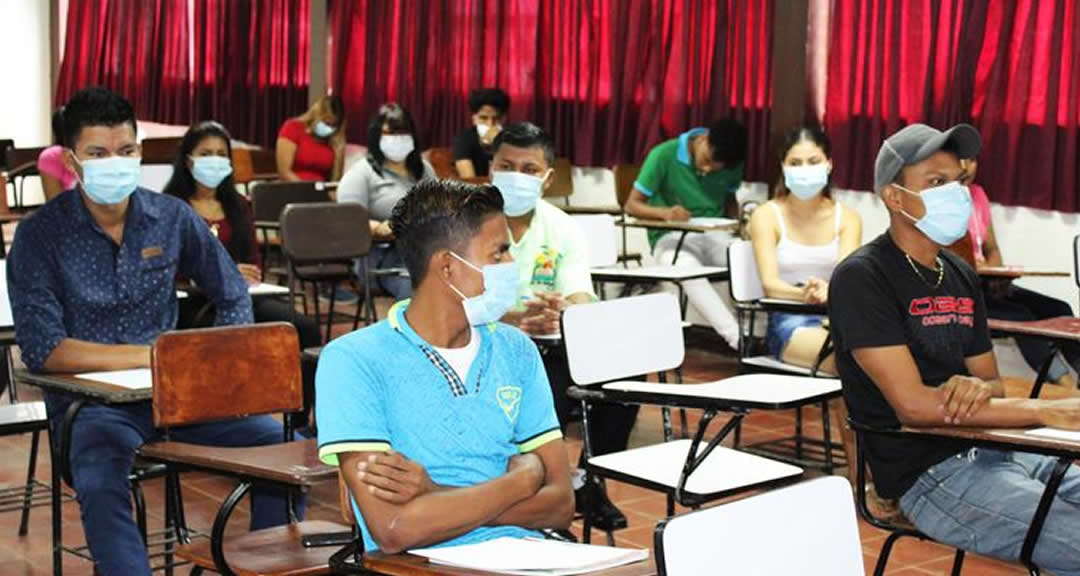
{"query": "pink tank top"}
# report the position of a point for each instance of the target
(980, 220)
(51, 162)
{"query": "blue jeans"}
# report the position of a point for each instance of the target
(984, 501)
(782, 325)
(103, 444)
(386, 256)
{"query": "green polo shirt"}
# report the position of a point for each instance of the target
(668, 178)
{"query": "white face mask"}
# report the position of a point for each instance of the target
(396, 147)
(482, 129)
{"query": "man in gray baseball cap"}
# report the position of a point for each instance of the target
(912, 348)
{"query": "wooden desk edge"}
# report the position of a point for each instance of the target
(91, 389)
(411, 565)
(1018, 437)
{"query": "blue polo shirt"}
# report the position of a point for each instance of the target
(68, 279)
(384, 387)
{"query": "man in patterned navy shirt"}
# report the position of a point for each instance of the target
(91, 278)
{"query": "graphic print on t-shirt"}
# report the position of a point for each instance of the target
(545, 268)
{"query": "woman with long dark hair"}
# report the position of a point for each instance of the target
(392, 167)
(202, 177)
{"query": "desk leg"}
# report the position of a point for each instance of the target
(217, 534)
(1041, 512)
(694, 460)
(61, 472)
(1044, 370)
(678, 248)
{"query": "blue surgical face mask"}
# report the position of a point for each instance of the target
(948, 211)
(806, 182)
(323, 130)
(396, 147)
(110, 180)
(499, 295)
(520, 192)
(210, 170)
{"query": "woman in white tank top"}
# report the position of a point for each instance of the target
(799, 236)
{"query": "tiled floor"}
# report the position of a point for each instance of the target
(202, 494)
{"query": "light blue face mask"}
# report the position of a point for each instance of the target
(210, 170)
(499, 295)
(806, 182)
(520, 191)
(323, 130)
(948, 211)
(110, 180)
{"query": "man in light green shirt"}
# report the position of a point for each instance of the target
(552, 255)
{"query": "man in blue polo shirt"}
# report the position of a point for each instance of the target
(440, 418)
(91, 276)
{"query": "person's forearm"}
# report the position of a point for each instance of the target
(513, 317)
(450, 512)
(639, 209)
(999, 413)
(783, 291)
(73, 355)
(551, 507)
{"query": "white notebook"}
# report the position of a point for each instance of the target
(532, 556)
(264, 289)
(1056, 434)
(136, 379)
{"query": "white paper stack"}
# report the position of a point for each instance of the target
(532, 557)
(136, 379)
(1056, 434)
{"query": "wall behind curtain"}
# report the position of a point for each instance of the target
(608, 78)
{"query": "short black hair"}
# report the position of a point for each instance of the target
(440, 215)
(494, 97)
(526, 135)
(95, 106)
(728, 141)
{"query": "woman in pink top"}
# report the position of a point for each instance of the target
(56, 177)
(1005, 301)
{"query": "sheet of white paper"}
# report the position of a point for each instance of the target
(137, 379)
(6, 320)
(264, 289)
(707, 221)
(1056, 433)
(532, 556)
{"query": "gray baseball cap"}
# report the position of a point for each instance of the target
(917, 142)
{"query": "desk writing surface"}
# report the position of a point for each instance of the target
(1061, 328)
(712, 225)
(410, 565)
(1020, 439)
(1017, 272)
(71, 384)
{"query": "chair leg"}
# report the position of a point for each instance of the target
(886, 549)
(31, 468)
(330, 311)
(170, 525)
(318, 315)
(57, 526)
(958, 562)
(140, 508)
(798, 433)
(827, 437)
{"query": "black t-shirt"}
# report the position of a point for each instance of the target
(467, 146)
(876, 299)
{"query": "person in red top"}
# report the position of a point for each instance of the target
(312, 146)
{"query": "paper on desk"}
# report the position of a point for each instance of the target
(710, 222)
(1056, 433)
(532, 556)
(6, 320)
(136, 379)
(264, 289)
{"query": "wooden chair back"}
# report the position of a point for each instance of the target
(22, 161)
(5, 143)
(160, 150)
(225, 372)
(269, 199)
(562, 185)
(965, 249)
(324, 232)
(442, 160)
(625, 175)
(242, 169)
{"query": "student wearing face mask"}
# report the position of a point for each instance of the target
(473, 147)
(91, 276)
(312, 146)
(393, 166)
(440, 418)
(798, 238)
(913, 349)
(552, 257)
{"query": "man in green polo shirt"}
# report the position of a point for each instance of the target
(553, 259)
(694, 176)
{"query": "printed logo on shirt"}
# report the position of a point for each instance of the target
(509, 399)
(545, 267)
(943, 310)
(152, 251)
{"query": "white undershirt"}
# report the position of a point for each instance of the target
(461, 359)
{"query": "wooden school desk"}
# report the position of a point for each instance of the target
(409, 565)
(721, 225)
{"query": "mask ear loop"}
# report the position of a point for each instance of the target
(470, 265)
(76, 159)
(913, 193)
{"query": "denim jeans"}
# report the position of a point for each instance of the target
(984, 500)
(103, 444)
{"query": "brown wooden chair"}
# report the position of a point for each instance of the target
(321, 242)
(160, 150)
(262, 370)
(625, 175)
(21, 164)
(442, 160)
(562, 185)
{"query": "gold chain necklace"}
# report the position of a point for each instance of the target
(940, 271)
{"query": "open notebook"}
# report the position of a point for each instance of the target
(532, 556)
(135, 379)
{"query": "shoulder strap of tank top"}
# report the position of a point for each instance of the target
(839, 217)
(779, 219)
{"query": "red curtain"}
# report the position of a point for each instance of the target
(251, 65)
(608, 78)
(137, 48)
(1011, 67)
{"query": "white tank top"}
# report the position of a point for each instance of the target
(797, 262)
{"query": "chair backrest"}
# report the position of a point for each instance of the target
(965, 249)
(625, 175)
(225, 372)
(442, 161)
(325, 232)
(22, 161)
(269, 199)
(5, 143)
(159, 150)
(263, 161)
(562, 185)
(600, 236)
(745, 282)
(809, 528)
(623, 338)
